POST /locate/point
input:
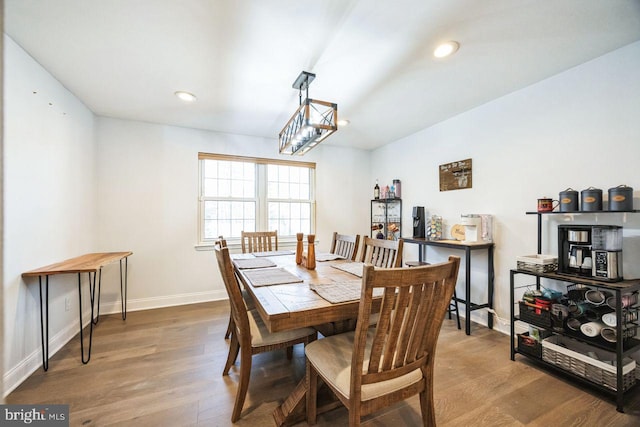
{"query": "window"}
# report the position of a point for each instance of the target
(252, 194)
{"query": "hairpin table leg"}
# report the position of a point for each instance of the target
(92, 290)
(44, 342)
(123, 287)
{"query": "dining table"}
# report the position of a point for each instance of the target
(287, 296)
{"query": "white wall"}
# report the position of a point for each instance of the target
(49, 205)
(78, 184)
(148, 203)
(71, 188)
(577, 129)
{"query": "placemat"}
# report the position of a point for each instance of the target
(342, 291)
(243, 264)
(242, 256)
(272, 253)
(271, 276)
(355, 268)
(328, 257)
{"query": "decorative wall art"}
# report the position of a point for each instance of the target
(455, 175)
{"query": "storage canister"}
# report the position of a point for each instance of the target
(621, 198)
(591, 199)
(568, 200)
(398, 187)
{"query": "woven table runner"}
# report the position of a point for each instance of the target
(243, 264)
(271, 276)
(328, 257)
(355, 268)
(342, 291)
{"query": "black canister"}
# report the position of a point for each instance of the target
(591, 199)
(568, 200)
(621, 198)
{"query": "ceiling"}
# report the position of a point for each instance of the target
(126, 58)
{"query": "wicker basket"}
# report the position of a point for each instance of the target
(571, 355)
(537, 263)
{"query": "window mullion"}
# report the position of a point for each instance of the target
(261, 191)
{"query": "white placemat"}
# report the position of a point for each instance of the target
(355, 268)
(248, 263)
(271, 276)
(328, 257)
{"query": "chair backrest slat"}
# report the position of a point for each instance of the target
(382, 253)
(414, 303)
(259, 241)
(238, 306)
(345, 245)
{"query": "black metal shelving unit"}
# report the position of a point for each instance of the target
(386, 212)
(622, 347)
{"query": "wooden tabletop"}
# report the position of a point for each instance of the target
(294, 305)
(448, 243)
(81, 264)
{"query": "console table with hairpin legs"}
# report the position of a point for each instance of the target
(92, 265)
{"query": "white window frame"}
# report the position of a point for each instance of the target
(261, 197)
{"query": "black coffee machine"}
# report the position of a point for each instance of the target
(418, 221)
(574, 249)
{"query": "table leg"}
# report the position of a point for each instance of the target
(44, 342)
(293, 409)
(467, 287)
(92, 290)
(490, 285)
(123, 289)
(97, 319)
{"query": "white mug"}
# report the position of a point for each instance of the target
(591, 329)
(610, 318)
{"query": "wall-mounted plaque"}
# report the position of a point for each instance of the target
(455, 175)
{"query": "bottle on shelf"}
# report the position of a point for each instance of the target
(376, 191)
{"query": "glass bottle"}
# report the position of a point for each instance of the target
(299, 248)
(376, 191)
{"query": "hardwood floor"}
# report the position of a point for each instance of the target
(163, 368)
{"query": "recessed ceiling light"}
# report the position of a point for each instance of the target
(186, 96)
(343, 122)
(446, 49)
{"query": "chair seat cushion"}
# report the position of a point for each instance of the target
(260, 335)
(331, 357)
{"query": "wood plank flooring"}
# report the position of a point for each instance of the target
(163, 368)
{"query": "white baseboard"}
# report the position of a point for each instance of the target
(13, 377)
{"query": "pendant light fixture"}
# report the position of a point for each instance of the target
(312, 122)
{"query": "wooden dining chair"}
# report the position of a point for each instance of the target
(382, 253)
(375, 367)
(250, 335)
(259, 241)
(345, 245)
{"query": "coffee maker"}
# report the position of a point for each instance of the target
(574, 250)
(607, 252)
(590, 251)
(418, 221)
